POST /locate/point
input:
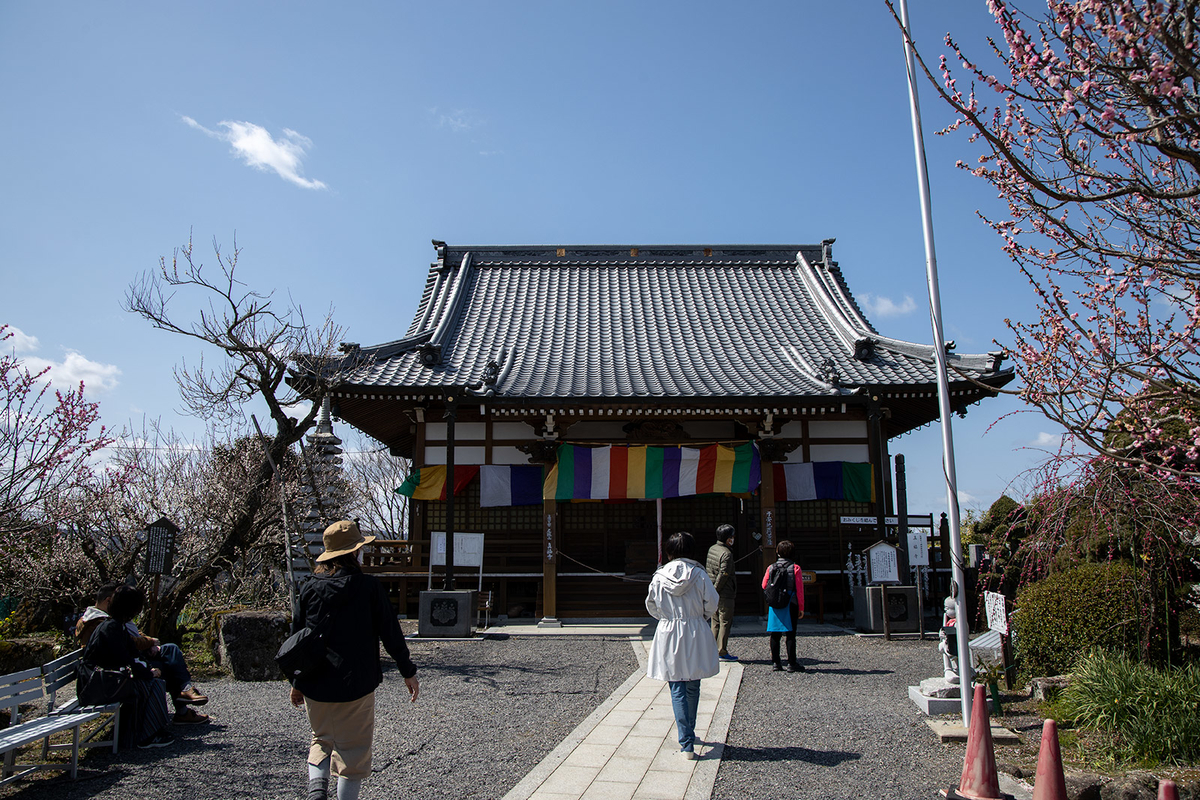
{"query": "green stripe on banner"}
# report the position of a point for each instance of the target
(654, 476)
(742, 455)
(856, 482)
(565, 489)
(410, 483)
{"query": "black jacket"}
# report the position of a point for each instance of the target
(363, 617)
(111, 647)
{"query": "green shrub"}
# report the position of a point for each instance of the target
(1151, 716)
(1065, 615)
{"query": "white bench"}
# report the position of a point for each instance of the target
(60, 674)
(26, 688)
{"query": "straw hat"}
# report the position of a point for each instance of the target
(341, 538)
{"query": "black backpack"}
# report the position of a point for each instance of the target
(779, 589)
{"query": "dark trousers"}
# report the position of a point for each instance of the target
(174, 669)
(791, 646)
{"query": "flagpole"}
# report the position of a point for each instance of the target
(958, 588)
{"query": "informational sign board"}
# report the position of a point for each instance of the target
(918, 549)
(160, 546)
(882, 564)
(468, 549)
(468, 552)
(913, 522)
(997, 615)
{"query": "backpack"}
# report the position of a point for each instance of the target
(779, 589)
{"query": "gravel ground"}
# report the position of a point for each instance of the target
(843, 729)
(490, 711)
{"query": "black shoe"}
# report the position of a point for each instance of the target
(157, 740)
(796, 667)
(777, 667)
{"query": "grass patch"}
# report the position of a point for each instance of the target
(1142, 715)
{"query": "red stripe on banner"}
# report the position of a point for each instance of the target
(618, 472)
(780, 482)
(463, 475)
(706, 470)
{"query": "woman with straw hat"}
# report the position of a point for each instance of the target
(340, 702)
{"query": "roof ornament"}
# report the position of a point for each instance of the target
(950, 345)
(864, 348)
(827, 254)
(491, 373)
(830, 373)
(431, 354)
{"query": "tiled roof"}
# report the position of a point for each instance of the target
(646, 322)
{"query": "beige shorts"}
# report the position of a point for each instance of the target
(343, 733)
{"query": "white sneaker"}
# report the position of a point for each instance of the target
(690, 755)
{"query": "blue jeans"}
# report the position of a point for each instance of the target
(685, 698)
(174, 669)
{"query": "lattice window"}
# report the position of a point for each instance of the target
(468, 516)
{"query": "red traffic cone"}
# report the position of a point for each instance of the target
(1167, 790)
(980, 780)
(1049, 784)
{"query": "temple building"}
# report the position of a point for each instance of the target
(599, 398)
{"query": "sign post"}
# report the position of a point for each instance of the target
(997, 617)
(160, 557)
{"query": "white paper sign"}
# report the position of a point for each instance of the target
(913, 522)
(918, 549)
(468, 549)
(996, 616)
(883, 563)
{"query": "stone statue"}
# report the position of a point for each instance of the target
(949, 649)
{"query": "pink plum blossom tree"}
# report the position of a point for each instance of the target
(1087, 121)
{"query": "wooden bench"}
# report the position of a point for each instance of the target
(25, 688)
(60, 674)
(810, 582)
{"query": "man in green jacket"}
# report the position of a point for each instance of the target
(720, 568)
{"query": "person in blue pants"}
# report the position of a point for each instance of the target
(683, 600)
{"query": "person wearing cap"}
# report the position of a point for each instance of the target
(340, 702)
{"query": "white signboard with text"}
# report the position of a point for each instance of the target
(468, 549)
(997, 616)
(882, 562)
(918, 549)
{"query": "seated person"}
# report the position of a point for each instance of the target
(144, 717)
(167, 658)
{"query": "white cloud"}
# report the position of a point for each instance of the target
(74, 368)
(878, 306)
(1047, 440)
(255, 145)
(967, 500)
(65, 374)
(458, 121)
(21, 342)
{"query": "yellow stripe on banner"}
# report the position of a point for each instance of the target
(635, 486)
(550, 486)
(431, 485)
(723, 478)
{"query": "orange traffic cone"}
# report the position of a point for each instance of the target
(980, 780)
(1049, 784)
(1167, 790)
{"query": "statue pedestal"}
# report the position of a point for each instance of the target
(446, 615)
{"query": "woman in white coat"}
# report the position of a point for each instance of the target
(682, 598)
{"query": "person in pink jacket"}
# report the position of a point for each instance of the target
(682, 598)
(781, 622)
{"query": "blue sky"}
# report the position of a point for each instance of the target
(336, 140)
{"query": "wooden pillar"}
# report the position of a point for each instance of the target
(769, 518)
(550, 533)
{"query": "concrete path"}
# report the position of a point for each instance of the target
(627, 749)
